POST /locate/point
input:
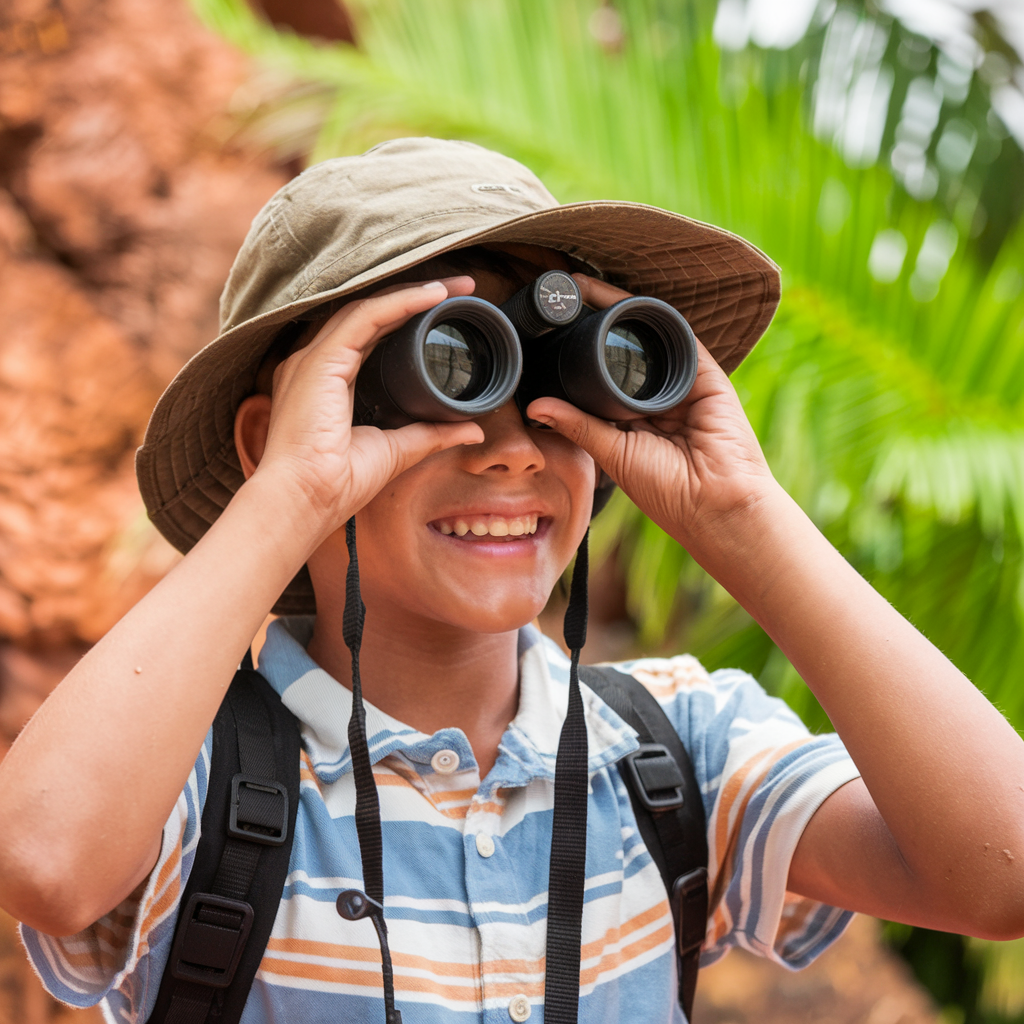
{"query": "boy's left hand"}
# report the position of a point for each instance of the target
(932, 832)
(688, 470)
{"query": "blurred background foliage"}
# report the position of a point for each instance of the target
(878, 160)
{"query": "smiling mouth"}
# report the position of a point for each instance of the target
(488, 527)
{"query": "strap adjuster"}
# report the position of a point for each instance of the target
(690, 896)
(657, 780)
(210, 941)
(258, 810)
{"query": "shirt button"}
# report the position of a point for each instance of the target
(519, 1008)
(444, 762)
(485, 847)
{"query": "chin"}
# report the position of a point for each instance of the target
(486, 614)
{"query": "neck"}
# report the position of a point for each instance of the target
(428, 674)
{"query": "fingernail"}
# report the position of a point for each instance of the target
(433, 284)
(544, 421)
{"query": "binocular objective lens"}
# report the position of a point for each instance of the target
(457, 361)
(631, 358)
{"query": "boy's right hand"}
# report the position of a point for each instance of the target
(304, 442)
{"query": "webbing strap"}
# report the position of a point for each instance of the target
(240, 859)
(190, 1003)
(568, 865)
(230, 901)
(675, 838)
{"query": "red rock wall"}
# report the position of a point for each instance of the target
(122, 202)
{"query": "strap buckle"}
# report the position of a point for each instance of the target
(210, 941)
(690, 896)
(259, 810)
(657, 780)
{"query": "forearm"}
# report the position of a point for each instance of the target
(943, 767)
(87, 787)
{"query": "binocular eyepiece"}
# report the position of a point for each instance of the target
(467, 357)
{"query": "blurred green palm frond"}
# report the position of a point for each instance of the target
(888, 392)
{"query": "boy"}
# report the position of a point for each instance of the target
(252, 462)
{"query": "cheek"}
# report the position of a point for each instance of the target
(405, 571)
(577, 474)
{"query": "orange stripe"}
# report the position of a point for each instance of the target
(685, 679)
(369, 954)
(612, 960)
(725, 842)
(455, 813)
(170, 894)
(490, 807)
(618, 933)
(455, 993)
(443, 795)
(728, 844)
(368, 979)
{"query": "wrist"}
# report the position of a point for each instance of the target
(287, 518)
(746, 547)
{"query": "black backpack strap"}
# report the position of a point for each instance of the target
(669, 812)
(228, 908)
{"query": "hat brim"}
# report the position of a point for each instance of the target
(726, 288)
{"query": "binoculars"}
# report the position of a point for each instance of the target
(466, 357)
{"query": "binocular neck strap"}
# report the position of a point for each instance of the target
(371, 844)
(568, 863)
(567, 871)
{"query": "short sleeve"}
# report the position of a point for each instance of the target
(762, 776)
(120, 958)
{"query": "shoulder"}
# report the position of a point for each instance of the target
(704, 704)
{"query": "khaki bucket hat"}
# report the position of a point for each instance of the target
(350, 222)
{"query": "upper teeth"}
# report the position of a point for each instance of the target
(495, 526)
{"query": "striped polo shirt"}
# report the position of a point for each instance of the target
(466, 860)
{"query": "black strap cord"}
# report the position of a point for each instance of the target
(368, 827)
(568, 866)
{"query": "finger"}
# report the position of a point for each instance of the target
(461, 285)
(711, 378)
(415, 442)
(364, 320)
(599, 294)
(598, 438)
(359, 325)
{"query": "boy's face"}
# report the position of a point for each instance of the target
(476, 536)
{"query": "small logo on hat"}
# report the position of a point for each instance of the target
(497, 188)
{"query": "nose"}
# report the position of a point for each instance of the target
(508, 445)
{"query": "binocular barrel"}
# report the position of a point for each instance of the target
(466, 357)
(456, 361)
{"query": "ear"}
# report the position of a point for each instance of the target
(252, 424)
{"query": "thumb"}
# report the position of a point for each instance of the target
(416, 441)
(598, 438)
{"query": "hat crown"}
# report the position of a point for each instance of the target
(345, 216)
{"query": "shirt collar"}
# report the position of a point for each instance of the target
(527, 750)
